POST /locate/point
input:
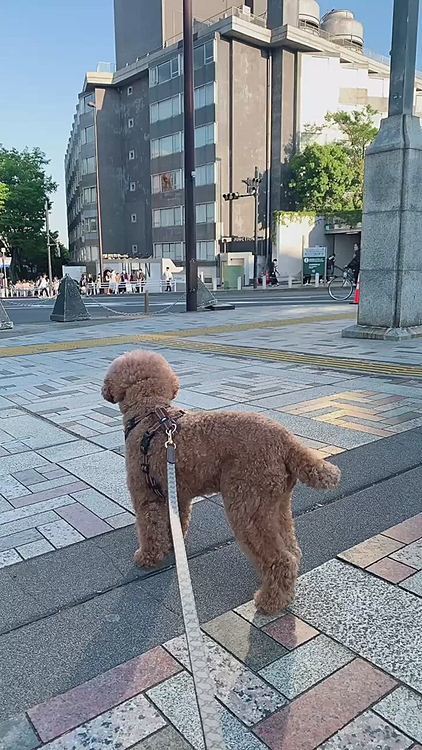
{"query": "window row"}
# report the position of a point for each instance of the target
(176, 250)
(90, 224)
(205, 135)
(170, 181)
(173, 106)
(89, 165)
(202, 55)
(174, 217)
(90, 195)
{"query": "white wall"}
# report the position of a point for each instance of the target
(290, 240)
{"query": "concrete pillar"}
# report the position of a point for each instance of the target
(281, 12)
(391, 259)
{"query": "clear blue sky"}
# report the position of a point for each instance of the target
(47, 46)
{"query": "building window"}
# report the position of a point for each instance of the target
(205, 175)
(167, 181)
(203, 55)
(205, 250)
(170, 144)
(91, 224)
(172, 250)
(131, 155)
(165, 72)
(129, 90)
(88, 165)
(204, 95)
(130, 122)
(205, 213)
(133, 218)
(167, 217)
(132, 187)
(87, 135)
(166, 108)
(134, 248)
(205, 135)
(88, 100)
(90, 195)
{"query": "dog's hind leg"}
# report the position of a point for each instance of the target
(153, 527)
(266, 532)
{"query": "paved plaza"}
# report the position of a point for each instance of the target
(92, 653)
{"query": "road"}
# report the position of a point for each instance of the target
(29, 311)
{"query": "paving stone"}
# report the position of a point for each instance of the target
(9, 557)
(25, 518)
(10, 488)
(391, 570)
(312, 718)
(109, 440)
(165, 739)
(97, 503)
(367, 732)
(60, 533)
(410, 555)
(121, 520)
(40, 497)
(51, 484)
(370, 551)
(414, 584)
(290, 631)
(306, 665)
(83, 520)
(376, 620)
(244, 693)
(4, 505)
(116, 729)
(408, 531)
(28, 477)
(249, 612)
(21, 537)
(34, 549)
(67, 711)
(54, 473)
(176, 699)
(247, 643)
(17, 734)
(403, 708)
(36, 433)
(105, 471)
(75, 449)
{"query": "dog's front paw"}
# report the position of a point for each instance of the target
(147, 558)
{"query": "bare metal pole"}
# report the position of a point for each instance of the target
(47, 231)
(189, 115)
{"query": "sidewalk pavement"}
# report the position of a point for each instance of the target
(341, 669)
(77, 616)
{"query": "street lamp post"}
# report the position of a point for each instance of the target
(189, 138)
(391, 261)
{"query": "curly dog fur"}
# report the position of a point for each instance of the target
(252, 461)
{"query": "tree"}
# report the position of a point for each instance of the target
(328, 178)
(4, 192)
(322, 180)
(22, 217)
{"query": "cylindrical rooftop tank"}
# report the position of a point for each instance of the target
(343, 27)
(309, 13)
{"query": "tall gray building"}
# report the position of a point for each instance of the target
(263, 71)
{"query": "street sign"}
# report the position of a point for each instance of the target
(5, 261)
(315, 262)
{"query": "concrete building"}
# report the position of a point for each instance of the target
(263, 72)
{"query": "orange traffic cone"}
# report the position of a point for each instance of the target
(357, 293)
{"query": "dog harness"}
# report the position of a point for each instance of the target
(165, 422)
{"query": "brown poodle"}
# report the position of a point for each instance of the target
(252, 461)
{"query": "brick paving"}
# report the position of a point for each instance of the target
(284, 683)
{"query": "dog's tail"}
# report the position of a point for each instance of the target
(310, 469)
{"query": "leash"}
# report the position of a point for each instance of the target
(203, 682)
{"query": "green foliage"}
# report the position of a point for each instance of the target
(4, 192)
(22, 217)
(285, 218)
(329, 178)
(322, 180)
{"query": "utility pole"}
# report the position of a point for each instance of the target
(47, 231)
(189, 137)
(256, 183)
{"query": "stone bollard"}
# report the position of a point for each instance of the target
(69, 306)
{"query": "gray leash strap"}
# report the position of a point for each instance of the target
(203, 682)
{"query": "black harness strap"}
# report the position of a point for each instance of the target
(165, 422)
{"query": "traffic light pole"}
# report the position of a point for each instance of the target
(255, 257)
(189, 138)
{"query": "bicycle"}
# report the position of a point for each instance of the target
(341, 285)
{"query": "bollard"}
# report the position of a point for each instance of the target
(214, 285)
(264, 281)
(290, 282)
(239, 284)
(201, 276)
(317, 279)
(146, 302)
